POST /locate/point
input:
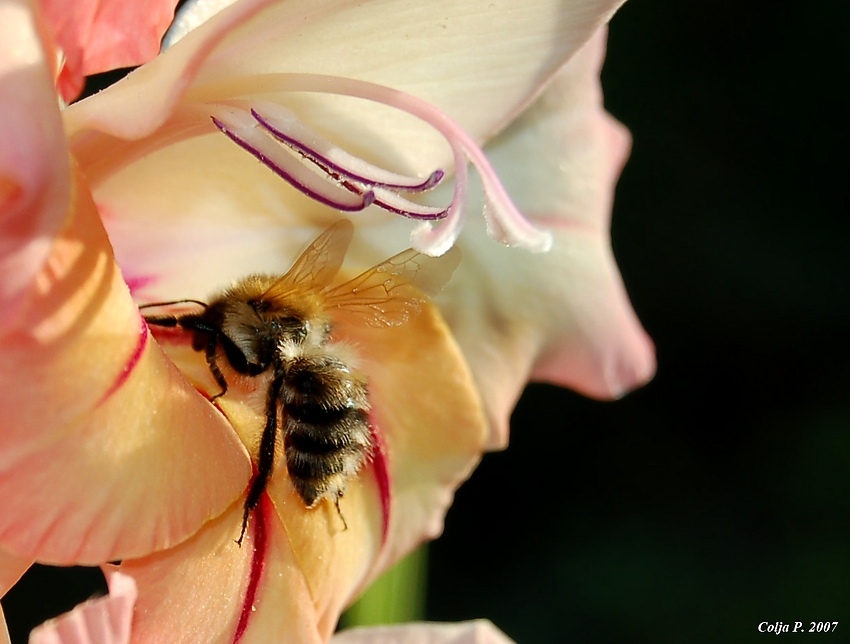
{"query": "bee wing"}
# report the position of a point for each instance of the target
(392, 292)
(316, 267)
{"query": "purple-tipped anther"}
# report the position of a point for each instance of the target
(275, 137)
(335, 161)
(269, 153)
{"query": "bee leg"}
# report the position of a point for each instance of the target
(212, 363)
(265, 463)
(162, 320)
(338, 511)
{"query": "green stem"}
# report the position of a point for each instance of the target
(396, 596)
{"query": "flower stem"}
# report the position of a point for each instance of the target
(396, 596)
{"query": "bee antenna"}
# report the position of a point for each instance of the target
(152, 304)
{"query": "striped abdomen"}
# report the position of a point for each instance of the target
(326, 434)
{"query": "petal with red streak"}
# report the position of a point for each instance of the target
(209, 588)
(106, 451)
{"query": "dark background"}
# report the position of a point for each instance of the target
(715, 498)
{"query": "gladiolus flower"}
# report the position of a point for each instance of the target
(110, 449)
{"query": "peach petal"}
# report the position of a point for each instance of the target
(105, 620)
(197, 591)
(476, 632)
(34, 171)
(103, 441)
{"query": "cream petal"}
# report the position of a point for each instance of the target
(34, 172)
(564, 316)
(480, 62)
(105, 450)
(476, 632)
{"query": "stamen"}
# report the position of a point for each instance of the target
(505, 223)
(287, 129)
(245, 134)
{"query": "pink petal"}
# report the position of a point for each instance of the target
(98, 35)
(477, 632)
(563, 316)
(480, 64)
(105, 620)
(34, 172)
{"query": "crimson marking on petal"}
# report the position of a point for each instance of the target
(366, 198)
(382, 476)
(139, 282)
(168, 335)
(259, 527)
(338, 171)
(130, 365)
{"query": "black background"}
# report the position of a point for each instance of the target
(715, 498)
